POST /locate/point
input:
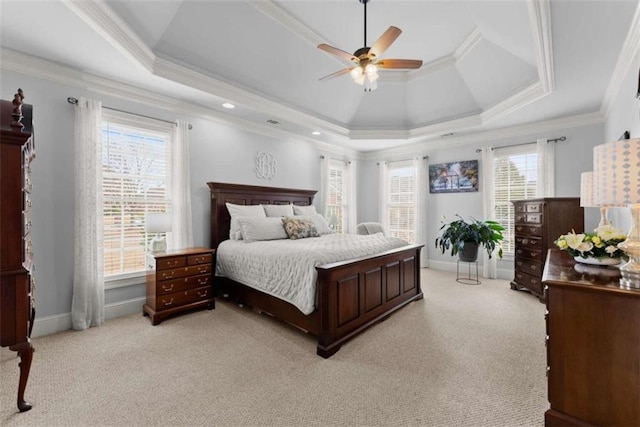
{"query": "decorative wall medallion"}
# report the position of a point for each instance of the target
(265, 165)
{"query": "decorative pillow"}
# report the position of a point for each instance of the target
(321, 224)
(304, 210)
(255, 229)
(299, 228)
(278, 210)
(236, 211)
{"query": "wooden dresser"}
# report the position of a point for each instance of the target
(537, 224)
(16, 306)
(593, 345)
(178, 281)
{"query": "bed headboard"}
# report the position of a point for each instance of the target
(239, 194)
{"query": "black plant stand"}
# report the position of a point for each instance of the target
(467, 280)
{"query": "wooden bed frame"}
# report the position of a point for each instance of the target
(352, 295)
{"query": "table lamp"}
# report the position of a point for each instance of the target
(334, 221)
(158, 223)
(588, 197)
(617, 183)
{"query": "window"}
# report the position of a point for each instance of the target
(401, 201)
(515, 178)
(337, 193)
(135, 161)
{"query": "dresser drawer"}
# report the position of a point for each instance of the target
(529, 281)
(532, 254)
(534, 207)
(199, 259)
(177, 285)
(529, 230)
(172, 262)
(528, 242)
(530, 267)
(184, 271)
(177, 299)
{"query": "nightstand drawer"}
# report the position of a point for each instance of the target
(173, 262)
(177, 299)
(183, 284)
(184, 271)
(199, 259)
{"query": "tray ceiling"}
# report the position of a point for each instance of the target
(486, 63)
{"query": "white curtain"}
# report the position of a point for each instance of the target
(325, 162)
(181, 235)
(546, 179)
(422, 191)
(489, 266)
(87, 305)
(383, 194)
(352, 200)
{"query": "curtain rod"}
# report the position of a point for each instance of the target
(74, 101)
(562, 138)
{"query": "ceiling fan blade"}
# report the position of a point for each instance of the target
(384, 41)
(399, 63)
(338, 52)
(337, 73)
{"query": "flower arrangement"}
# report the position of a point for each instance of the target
(603, 243)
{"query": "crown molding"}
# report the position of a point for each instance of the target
(630, 50)
(197, 80)
(526, 96)
(468, 44)
(540, 20)
(101, 18)
(426, 146)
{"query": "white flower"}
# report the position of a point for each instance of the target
(609, 232)
(574, 240)
(584, 247)
(611, 249)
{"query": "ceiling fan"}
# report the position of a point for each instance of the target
(367, 59)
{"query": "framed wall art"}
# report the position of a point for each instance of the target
(454, 177)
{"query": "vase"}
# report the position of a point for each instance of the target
(598, 261)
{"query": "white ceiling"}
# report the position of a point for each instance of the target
(487, 64)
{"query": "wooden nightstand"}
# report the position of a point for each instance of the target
(178, 280)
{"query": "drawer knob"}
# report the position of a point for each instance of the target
(202, 294)
(203, 270)
(534, 242)
(203, 281)
(533, 267)
(533, 254)
(167, 303)
(166, 288)
(167, 275)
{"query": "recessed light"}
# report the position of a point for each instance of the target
(228, 105)
(315, 132)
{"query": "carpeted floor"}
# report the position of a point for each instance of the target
(465, 355)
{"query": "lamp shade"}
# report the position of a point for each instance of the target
(157, 222)
(587, 196)
(616, 167)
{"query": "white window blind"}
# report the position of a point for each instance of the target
(401, 204)
(336, 193)
(134, 176)
(515, 178)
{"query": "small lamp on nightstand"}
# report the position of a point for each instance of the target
(158, 223)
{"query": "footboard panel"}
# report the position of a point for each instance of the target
(354, 294)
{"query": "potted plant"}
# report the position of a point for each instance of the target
(464, 237)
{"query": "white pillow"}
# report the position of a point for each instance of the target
(278, 210)
(235, 232)
(321, 224)
(304, 210)
(256, 229)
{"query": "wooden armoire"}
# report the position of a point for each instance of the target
(16, 261)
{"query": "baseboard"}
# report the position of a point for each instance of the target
(503, 273)
(62, 322)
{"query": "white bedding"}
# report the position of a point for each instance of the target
(286, 268)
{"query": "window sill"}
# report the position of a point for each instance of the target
(124, 280)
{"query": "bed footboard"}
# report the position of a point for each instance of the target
(354, 294)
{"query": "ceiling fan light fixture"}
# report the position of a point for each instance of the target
(356, 72)
(371, 69)
(360, 79)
